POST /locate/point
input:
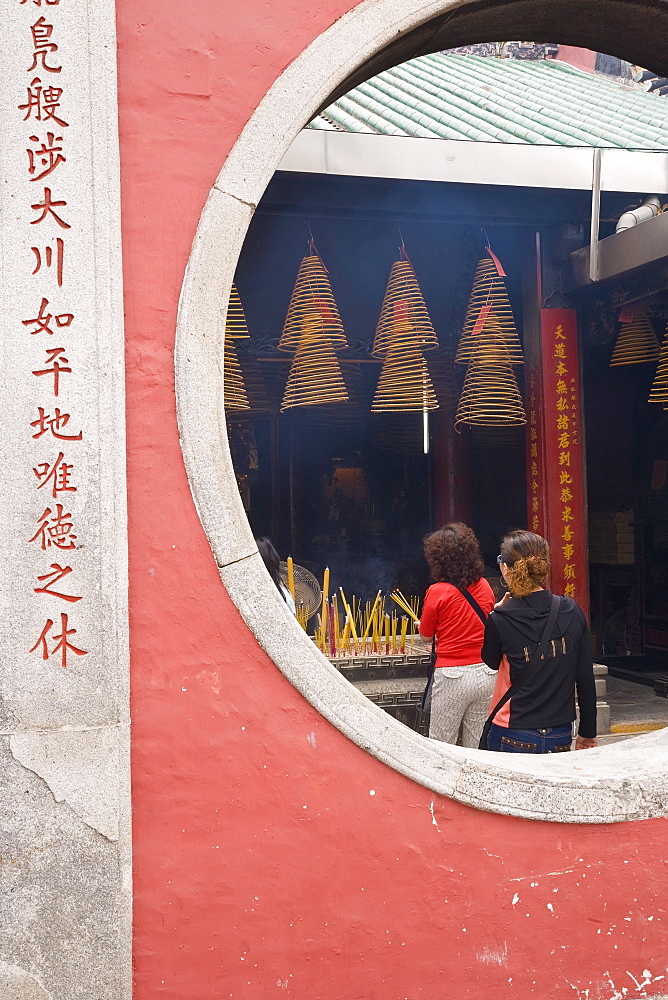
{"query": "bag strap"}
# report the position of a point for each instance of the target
(528, 671)
(474, 604)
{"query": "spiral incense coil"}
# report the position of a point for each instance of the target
(488, 302)
(312, 296)
(659, 390)
(404, 384)
(235, 323)
(403, 304)
(234, 390)
(637, 342)
(315, 375)
(490, 395)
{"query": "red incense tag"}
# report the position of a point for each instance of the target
(401, 311)
(626, 314)
(497, 263)
(481, 320)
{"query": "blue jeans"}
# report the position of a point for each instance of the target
(556, 739)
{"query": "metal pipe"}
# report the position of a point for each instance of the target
(648, 210)
(595, 214)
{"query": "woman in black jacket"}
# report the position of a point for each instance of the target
(539, 717)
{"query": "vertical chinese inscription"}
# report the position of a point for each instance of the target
(564, 496)
(47, 163)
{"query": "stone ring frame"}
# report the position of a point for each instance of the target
(628, 781)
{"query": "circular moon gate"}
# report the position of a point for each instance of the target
(625, 782)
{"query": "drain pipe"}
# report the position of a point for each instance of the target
(649, 208)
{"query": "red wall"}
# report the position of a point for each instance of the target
(263, 865)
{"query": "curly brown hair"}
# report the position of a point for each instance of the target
(453, 555)
(527, 557)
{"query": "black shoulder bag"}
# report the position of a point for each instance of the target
(425, 704)
(527, 673)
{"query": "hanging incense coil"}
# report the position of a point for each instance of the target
(490, 394)
(403, 303)
(235, 323)
(315, 375)
(488, 301)
(659, 390)
(312, 297)
(404, 384)
(637, 342)
(234, 389)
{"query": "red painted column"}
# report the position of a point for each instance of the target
(452, 471)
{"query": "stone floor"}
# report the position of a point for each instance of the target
(634, 708)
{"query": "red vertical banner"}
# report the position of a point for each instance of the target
(563, 455)
(535, 452)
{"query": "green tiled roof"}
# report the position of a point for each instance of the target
(453, 96)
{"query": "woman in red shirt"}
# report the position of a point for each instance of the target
(463, 684)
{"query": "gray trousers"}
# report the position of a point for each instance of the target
(460, 699)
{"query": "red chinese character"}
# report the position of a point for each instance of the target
(562, 388)
(43, 319)
(48, 259)
(566, 514)
(42, 45)
(565, 477)
(44, 102)
(45, 422)
(562, 404)
(559, 351)
(46, 158)
(57, 533)
(62, 644)
(57, 366)
(564, 440)
(559, 333)
(561, 369)
(567, 533)
(568, 551)
(534, 522)
(565, 495)
(57, 474)
(57, 574)
(564, 458)
(38, 3)
(47, 207)
(562, 422)
(569, 571)
(569, 590)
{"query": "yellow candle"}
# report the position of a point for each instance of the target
(291, 577)
(394, 634)
(404, 629)
(387, 634)
(325, 595)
